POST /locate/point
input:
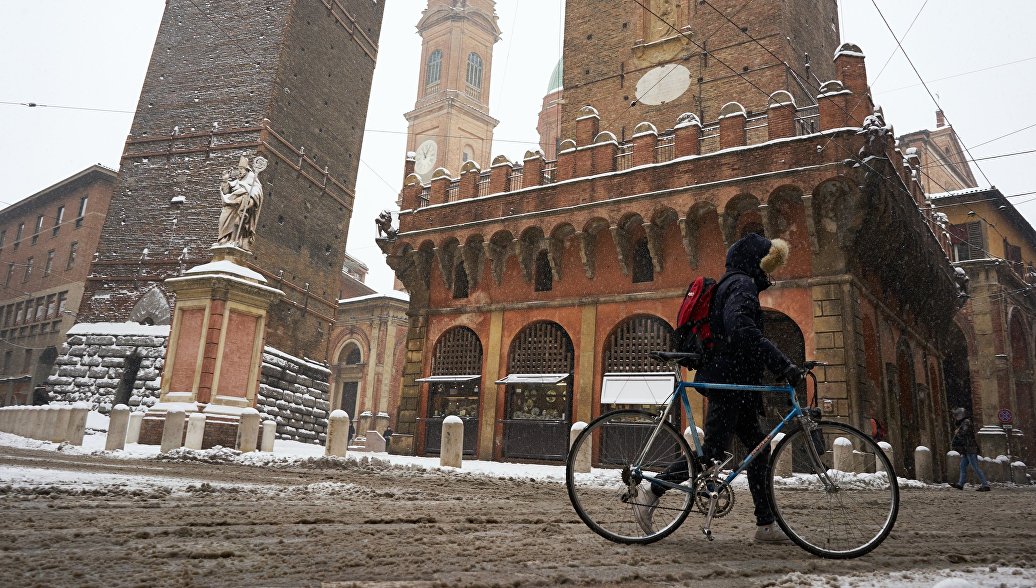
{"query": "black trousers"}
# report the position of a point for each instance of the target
(728, 415)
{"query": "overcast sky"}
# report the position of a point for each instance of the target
(978, 59)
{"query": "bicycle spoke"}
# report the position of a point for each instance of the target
(843, 508)
(608, 485)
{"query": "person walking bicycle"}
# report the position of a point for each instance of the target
(965, 443)
(740, 356)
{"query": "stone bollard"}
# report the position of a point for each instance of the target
(269, 434)
(133, 429)
(782, 468)
(61, 421)
(988, 468)
(952, 466)
(886, 448)
(843, 454)
(172, 431)
(1003, 464)
(452, 448)
(337, 433)
(690, 439)
(923, 465)
(581, 464)
(1018, 473)
(195, 431)
(117, 424)
(77, 423)
(248, 430)
(863, 462)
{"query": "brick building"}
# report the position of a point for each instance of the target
(538, 287)
(292, 85)
(46, 243)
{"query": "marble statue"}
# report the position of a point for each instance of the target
(242, 196)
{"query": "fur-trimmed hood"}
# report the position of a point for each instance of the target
(757, 256)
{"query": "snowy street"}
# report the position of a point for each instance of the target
(82, 517)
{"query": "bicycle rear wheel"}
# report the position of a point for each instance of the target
(604, 480)
(843, 507)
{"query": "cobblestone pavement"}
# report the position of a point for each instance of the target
(165, 523)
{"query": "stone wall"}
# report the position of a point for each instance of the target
(91, 365)
(294, 392)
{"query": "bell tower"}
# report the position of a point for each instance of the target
(450, 122)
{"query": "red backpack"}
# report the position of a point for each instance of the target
(693, 330)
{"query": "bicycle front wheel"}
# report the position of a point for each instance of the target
(605, 477)
(833, 490)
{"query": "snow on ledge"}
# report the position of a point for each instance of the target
(308, 362)
(226, 267)
(126, 328)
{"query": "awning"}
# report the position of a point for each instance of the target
(449, 378)
(637, 388)
(533, 379)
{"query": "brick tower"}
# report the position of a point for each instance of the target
(450, 123)
(285, 79)
(672, 56)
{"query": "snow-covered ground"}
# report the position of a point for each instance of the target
(137, 476)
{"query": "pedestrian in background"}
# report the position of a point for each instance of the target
(965, 443)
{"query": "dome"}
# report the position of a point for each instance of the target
(556, 81)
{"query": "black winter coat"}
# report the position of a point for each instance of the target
(742, 353)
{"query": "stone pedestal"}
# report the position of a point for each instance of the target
(215, 346)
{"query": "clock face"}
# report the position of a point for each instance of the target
(425, 160)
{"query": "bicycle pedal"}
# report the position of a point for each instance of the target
(708, 534)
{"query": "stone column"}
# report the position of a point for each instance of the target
(172, 431)
(248, 430)
(923, 465)
(195, 431)
(843, 454)
(337, 433)
(77, 423)
(133, 429)
(269, 434)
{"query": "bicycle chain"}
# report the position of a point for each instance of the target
(724, 504)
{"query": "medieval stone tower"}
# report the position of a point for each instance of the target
(450, 123)
(668, 57)
(288, 80)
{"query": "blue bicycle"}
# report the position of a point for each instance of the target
(832, 489)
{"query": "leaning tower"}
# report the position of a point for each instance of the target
(288, 80)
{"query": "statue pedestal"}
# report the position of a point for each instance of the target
(215, 345)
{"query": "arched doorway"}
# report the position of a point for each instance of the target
(538, 399)
(908, 422)
(957, 372)
(350, 373)
(454, 388)
(1021, 370)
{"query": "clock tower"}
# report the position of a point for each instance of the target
(450, 122)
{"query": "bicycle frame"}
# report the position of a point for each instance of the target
(680, 397)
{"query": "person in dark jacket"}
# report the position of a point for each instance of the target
(740, 356)
(965, 443)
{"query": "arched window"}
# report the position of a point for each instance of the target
(433, 68)
(544, 275)
(353, 355)
(474, 78)
(643, 267)
(460, 282)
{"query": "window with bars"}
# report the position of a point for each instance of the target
(632, 340)
(541, 348)
(458, 352)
